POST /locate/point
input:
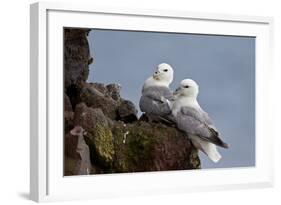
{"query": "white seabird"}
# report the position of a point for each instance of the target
(156, 97)
(196, 123)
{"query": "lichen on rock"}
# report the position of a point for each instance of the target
(152, 147)
(103, 143)
(99, 137)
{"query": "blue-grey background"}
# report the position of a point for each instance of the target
(223, 66)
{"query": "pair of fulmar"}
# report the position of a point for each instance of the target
(158, 102)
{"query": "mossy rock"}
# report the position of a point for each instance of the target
(104, 143)
(101, 146)
(116, 147)
(143, 147)
(133, 145)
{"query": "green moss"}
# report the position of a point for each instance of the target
(104, 143)
(120, 163)
(140, 145)
(101, 144)
(134, 147)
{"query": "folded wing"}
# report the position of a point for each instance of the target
(198, 123)
(154, 100)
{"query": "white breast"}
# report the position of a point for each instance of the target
(150, 82)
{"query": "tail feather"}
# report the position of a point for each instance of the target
(207, 148)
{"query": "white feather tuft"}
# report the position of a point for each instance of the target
(208, 148)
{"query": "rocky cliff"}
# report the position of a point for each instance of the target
(113, 139)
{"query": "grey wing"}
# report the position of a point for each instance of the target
(158, 93)
(154, 106)
(168, 94)
(208, 120)
(200, 114)
(192, 122)
(152, 101)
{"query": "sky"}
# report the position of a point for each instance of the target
(223, 66)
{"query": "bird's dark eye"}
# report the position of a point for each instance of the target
(186, 86)
(165, 70)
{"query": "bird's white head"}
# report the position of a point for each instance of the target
(187, 88)
(164, 73)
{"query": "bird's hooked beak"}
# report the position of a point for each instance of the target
(177, 91)
(156, 75)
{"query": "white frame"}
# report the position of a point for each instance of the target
(46, 183)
